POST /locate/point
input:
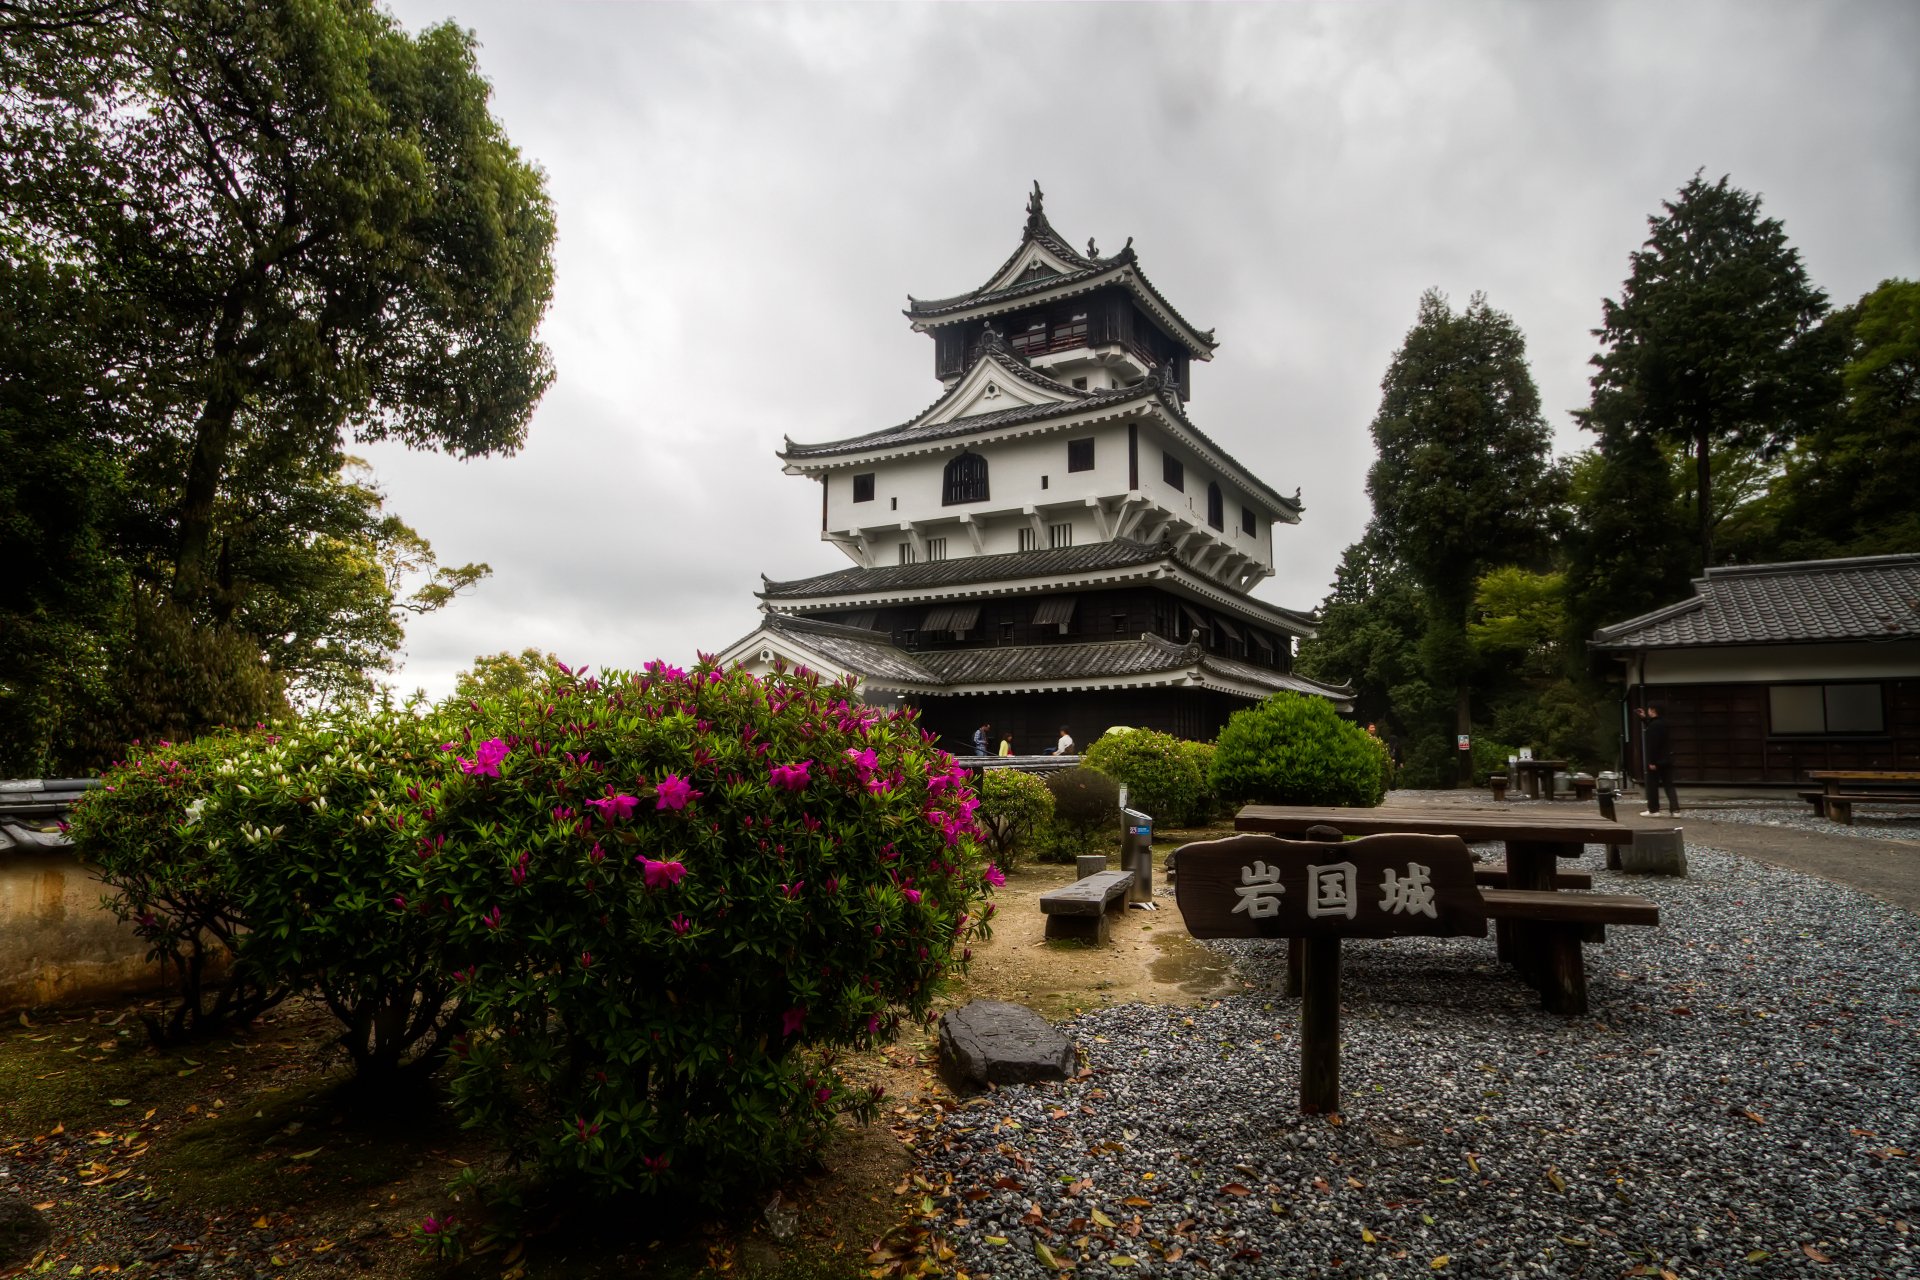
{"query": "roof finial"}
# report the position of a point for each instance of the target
(1092, 250)
(1036, 214)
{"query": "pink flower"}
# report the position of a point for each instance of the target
(434, 1226)
(660, 874)
(467, 974)
(492, 918)
(615, 808)
(586, 959)
(821, 1094)
(587, 1131)
(519, 872)
(654, 1164)
(793, 777)
(399, 900)
(596, 855)
(680, 925)
(873, 1024)
(486, 759)
(790, 1020)
(793, 890)
(912, 895)
(995, 876)
(673, 792)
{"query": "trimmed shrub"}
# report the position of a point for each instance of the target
(1159, 775)
(671, 896)
(180, 893)
(1294, 749)
(1206, 804)
(1490, 757)
(1086, 812)
(1015, 810)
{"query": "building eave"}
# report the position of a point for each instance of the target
(1124, 271)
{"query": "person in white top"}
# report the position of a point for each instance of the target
(1065, 746)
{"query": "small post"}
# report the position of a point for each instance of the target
(1319, 987)
(1320, 1028)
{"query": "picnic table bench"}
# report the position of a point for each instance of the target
(1085, 908)
(1841, 789)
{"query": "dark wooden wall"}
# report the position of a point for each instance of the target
(1720, 735)
(1034, 719)
(1101, 615)
(1111, 315)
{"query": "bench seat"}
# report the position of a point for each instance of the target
(1564, 921)
(1084, 908)
(1838, 805)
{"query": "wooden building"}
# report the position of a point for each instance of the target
(1770, 670)
(1053, 540)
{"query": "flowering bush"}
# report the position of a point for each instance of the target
(1015, 810)
(1294, 749)
(184, 898)
(670, 896)
(1159, 776)
(313, 822)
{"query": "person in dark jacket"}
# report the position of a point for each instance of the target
(1656, 753)
(980, 739)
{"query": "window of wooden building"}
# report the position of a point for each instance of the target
(965, 480)
(1247, 525)
(1059, 535)
(863, 487)
(1174, 472)
(1080, 454)
(1216, 507)
(1802, 709)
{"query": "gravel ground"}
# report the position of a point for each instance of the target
(1870, 822)
(1729, 1108)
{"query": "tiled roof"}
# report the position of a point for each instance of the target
(1087, 267)
(867, 652)
(875, 660)
(1862, 598)
(1089, 557)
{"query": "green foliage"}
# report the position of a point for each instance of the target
(1715, 340)
(1850, 486)
(1086, 812)
(1206, 805)
(1015, 811)
(495, 675)
(185, 896)
(234, 237)
(679, 897)
(1294, 749)
(1159, 775)
(1519, 618)
(1490, 757)
(311, 827)
(1628, 550)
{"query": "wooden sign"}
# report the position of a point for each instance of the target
(1375, 887)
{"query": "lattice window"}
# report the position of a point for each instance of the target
(965, 480)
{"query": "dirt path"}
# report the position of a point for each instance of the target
(1887, 869)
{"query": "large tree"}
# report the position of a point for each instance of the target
(1852, 482)
(1714, 339)
(288, 226)
(1465, 480)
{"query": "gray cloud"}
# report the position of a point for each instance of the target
(746, 195)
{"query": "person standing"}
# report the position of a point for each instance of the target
(1006, 746)
(1065, 746)
(1656, 757)
(980, 739)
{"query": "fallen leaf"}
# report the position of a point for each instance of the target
(1045, 1255)
(1367, 1237)
(1559, 1183)
(1120, 1260)
(1754, 1116)
(1136, 1202)
(1440, 1262)
(306, 1155)
(260, 1222)
(1102, 1219)
(44, 1205)
(119, 1102)
(1355, 1183)
(1235, 1189)
(1759, 1255)
(996, 1239)
(1814, 1253)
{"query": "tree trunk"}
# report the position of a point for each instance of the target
(212, 437)
(1703, 471)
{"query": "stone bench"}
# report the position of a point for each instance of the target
(1085, 908)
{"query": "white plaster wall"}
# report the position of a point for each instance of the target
(58, 945)
(908, 490)
(1733, 665)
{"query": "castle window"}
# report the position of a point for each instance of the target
(1059, 535)
(1080, 455)
(1119, 624)
(1079, 384)
(1247, 525)
(966, 480)
(1216, 507)
(906, 553)
(1029, 540)
(936, 548)
(1173, 472)
(1006, 633)
(863, 488)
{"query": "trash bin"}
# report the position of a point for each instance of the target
(1606, 788)
(1136, 853)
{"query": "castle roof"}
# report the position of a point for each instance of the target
(1045, 267)
(1795, 602)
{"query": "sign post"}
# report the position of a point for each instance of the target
(1318, 892)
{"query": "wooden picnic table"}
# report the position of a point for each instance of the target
(1841, 789)
(1532, 773)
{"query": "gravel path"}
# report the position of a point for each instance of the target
(1729, 1108)
(1870, 821)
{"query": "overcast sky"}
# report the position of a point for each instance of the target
(746, 195)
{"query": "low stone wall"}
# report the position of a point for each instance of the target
(58, 945)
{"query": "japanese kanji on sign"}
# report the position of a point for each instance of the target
(1265, 887)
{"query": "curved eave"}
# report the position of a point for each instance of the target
(936, 315)
(1071, 417)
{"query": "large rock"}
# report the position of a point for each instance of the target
(22, 1229)
(993, 1042)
